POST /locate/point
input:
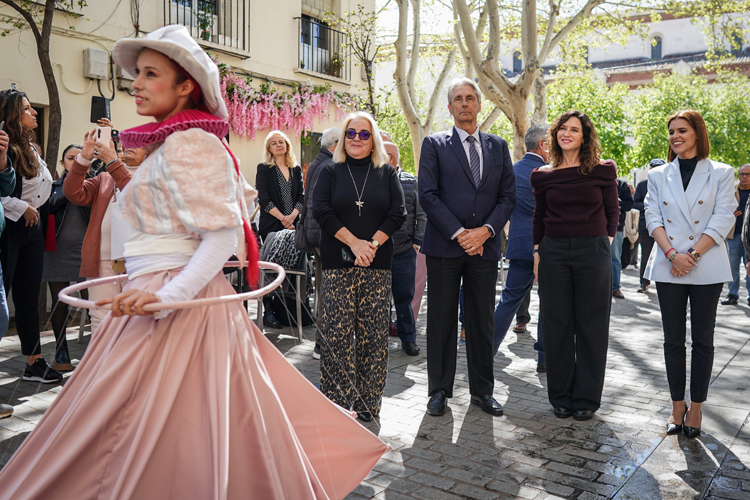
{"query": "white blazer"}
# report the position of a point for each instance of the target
(706, 207)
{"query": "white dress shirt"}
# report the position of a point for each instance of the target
(462, 134)
(34, 192)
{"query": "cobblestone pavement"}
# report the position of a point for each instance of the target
(623, 453)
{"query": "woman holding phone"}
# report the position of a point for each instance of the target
(22, 242)
(359, 203)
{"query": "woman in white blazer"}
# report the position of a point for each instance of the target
(689, 211)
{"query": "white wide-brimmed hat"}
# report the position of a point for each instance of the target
(175, 42)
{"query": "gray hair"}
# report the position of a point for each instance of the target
(534, 135)
(743, 166)
(458, 82)
(330, 137)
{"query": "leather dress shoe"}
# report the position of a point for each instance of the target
(519, 328)
(562, 412)
(618, 294)
(5, 411)
(691, 432)
(643, 289)
(673, 429)
(62, 361)
(410, 348)
(488, 404)
(582, 415)
(436, 405)
(730, 301)
(364, 416)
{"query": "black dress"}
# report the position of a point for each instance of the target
(274, 191)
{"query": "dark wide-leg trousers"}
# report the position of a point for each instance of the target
(673, 299)
(647, 244)
(444, 277)
(575, 289)
(354, 358)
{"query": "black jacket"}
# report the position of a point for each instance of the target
(626, 201)
(639, 199)
(746, 233)
(58, 204)
(307, 222)
(269, 195)
(412, 231)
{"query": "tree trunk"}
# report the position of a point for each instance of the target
(520, 122)
(540, 101)
(55, 110)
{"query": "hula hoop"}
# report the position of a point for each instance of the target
(65, 293)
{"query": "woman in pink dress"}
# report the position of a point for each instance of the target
(188, 403)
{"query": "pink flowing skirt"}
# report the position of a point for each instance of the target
(199, 405)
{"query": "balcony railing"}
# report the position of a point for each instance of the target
(323, 50)
(223, 22)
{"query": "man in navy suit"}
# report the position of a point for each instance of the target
(467, 189)
(520, 241)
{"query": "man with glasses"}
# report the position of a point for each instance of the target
(734, 240)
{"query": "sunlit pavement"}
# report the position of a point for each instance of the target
(622, 453)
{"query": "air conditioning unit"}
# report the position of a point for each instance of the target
(95, 64)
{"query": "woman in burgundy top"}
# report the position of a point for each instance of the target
(575, 220)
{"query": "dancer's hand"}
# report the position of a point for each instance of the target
(131, 302)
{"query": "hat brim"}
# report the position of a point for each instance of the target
(126, 51)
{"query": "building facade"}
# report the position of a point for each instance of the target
(277, 44)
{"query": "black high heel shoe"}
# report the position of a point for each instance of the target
(673, 429)
(692, 432)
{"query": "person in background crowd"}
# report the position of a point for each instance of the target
(22, 243)
(523, 317)
(626, 203)
(7, 185)
(631, 238)
(746, 241)
(359, 204)
(99, 194)
(573, 263)
(62, 266)
(734, 239)
(647, 242)
(281, 195)
(467, 190)
(689, 212)
(310, 226)
(520, 250)
(406, 244)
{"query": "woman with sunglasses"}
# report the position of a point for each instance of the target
(359, 204)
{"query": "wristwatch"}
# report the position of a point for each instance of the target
(375, 243)
(694, 254)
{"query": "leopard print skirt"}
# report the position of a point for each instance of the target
(354, 359)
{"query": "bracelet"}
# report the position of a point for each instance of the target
(536, 250)
(672, 256)
(669, 254)
(110, 163)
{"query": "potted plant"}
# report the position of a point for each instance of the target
(335, 65)
(205, 18)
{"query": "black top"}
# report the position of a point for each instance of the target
(335, 207)
(271, 194)
(687, 167)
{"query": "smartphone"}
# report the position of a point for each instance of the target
(99, 108)
(2, 124)
(346, 255)
(103, 136)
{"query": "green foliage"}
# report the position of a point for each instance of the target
(725, 107)
(35, 9)
(606, 106)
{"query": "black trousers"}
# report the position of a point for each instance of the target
(575, 289)
(522, 315)
(647, 243)
(443, 283)
(673, 299)
(23, 263)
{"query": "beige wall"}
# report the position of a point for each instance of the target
(273, 55)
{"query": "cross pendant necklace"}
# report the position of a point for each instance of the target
(359, 201)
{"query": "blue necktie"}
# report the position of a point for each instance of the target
(474, 161)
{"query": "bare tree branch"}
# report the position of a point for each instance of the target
(570, 26)
(437, 91)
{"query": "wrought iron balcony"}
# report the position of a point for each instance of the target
(323, 50)
(223, 22)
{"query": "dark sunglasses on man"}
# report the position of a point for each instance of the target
(351, 134)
